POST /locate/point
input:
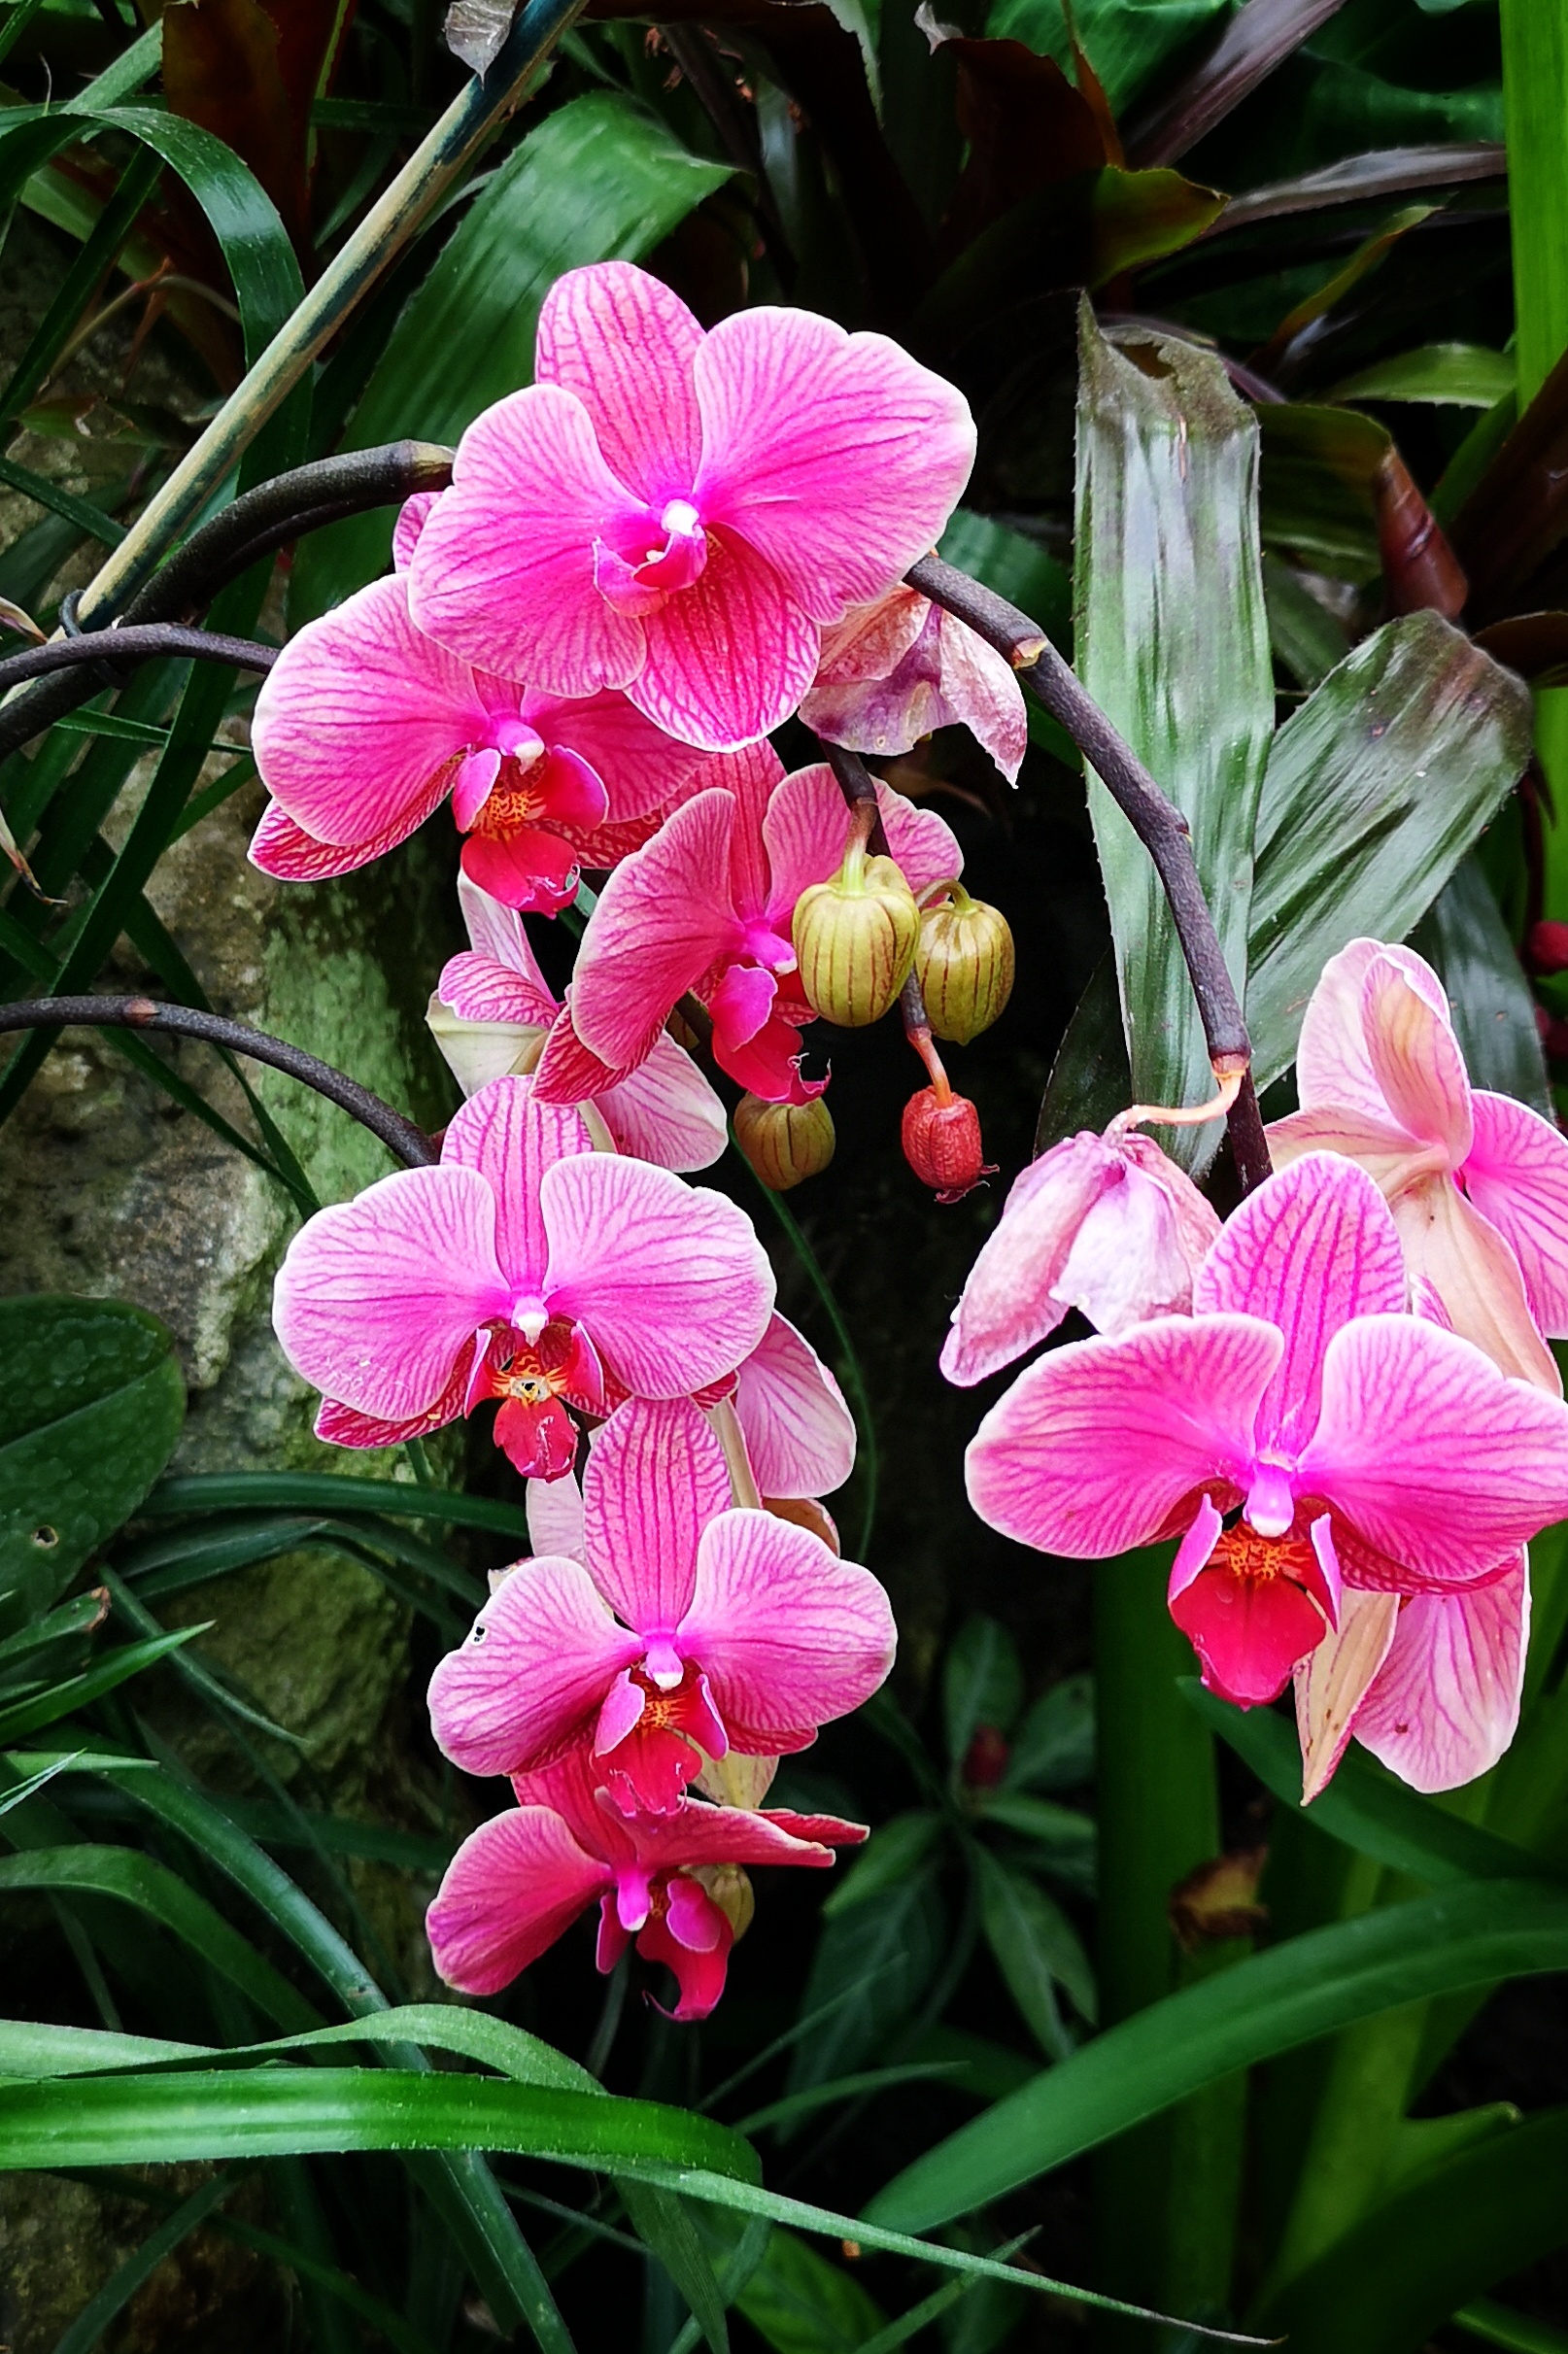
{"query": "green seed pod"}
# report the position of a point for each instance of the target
(785, 1142)
(855, 941)
(964, 962)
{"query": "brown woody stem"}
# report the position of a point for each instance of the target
(1155, 818)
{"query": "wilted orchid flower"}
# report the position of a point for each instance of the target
(364, 727)
(679, 513)
(526, 1268)
(899, 668)
(493, 1010)
(1429, 1682)
(1363, 1447)
(1478, 1184)
(521, 1879)
(732, 1629)
(707, 907)
(1107, 1224)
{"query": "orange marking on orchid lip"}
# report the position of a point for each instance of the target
(662, 1710)
(1241, 1553)
(525, 1378)
(509, 804)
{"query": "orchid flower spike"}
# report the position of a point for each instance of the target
(899, 668)
(671, 1882)
(1300, 1431)
(493, 1010)
(1107, 1224)
(527, 1268)
(364, 726)
(732, 1629)
(707, 905)
(1478, 1184)
(679, 513)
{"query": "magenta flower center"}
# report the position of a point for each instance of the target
(657, 553)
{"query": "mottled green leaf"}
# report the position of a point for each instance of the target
(1464, 935)
(1453, 375)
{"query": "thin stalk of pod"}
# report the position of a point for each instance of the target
(103, 651)
(859, 788)
(403, 1140)
(249, 527)
(1155, 819)
(354, 269)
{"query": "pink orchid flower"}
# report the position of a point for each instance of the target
(493, 1010)
(707, 907)
(1430, 1683)
(527, 1268)
(364, 727)
(679, 513)
(521, 1879)
(1364, 1447)
(732, 1630)
(1107, 1224)
(1477, 1182)
(897, 669)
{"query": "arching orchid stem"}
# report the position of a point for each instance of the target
(250, 526)
(917, 1029)
(858, 786)
(1155, 819)
(1190, 1115)
(98, 651)
(732, 1438)
(403, 1140)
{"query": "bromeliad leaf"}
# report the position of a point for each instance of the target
(90, 1405)
(1172, 642)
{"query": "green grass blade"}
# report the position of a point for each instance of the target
(96, 257)
(123, 2284)
(64, 1699)
(59, 502)
(330, 1492)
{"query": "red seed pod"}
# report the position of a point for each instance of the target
(941, 1144)
(1546, 948)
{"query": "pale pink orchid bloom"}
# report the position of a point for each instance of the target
(895, 670)
(1107, 1224)
(1430, 1683)
(1478, 1182)
(493, 1010)
(1298, 1431)
(707, 905)
(732, 1629)
(527, 1268)
(364, 726)
(680, 514)
(521, 1879)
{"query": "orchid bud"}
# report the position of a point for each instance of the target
(855, 939)
(785, 1142)
(941, 1144)
(729, 1887)
(964, 962)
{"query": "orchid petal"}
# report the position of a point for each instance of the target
(1136, 1247)
(512, 1141)
(531, 869)
(503, 572)
(741, 1005)
(659, 925)
(474, 785)
(1452, 1247)
(700, 1971)
(1248, 1633)
(839, 456)
(567, 1072)
(668, 1278)
(799, 1432)
(806, 830)
(768, 1065)
(377, 1297)
(730, 657)
(1445, 1703)
(1433, 1456)
(618, 338)
(412, 518)
(555, 1509)
(510, 1891)
(666, 1111)
(1517, 1177)
(1008, 1302)
(1392, 1159)
(498, 934)
(789, 1636)
(1415, 1057)
(285, 851)
(639, 767)
(1333, 1059)
(1093, 1447)
(533, 1673)
(1311, 1249)
(656, 1477)
(1332, 1681)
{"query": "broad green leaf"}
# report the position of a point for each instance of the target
(800, 2302)
(982, 1682)
(1389, 2283)
(1498, 2325)
(1036, 1948)
(845, 2089)
(1375, 788)
(1464, 935)
(665, 2226)
(1064, 1841)
(1316, 492)
(1306, 637)
(1457, 1938)
(1053, 1749)
(1363, 1806)
(887, 1949)
(1090, 1081)
(90, 1407)
(1172, 640)
(466, 336)
(1127, 47)
(1456, 375)
(1027, 574)
(893, 1851)
(329, 1491)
